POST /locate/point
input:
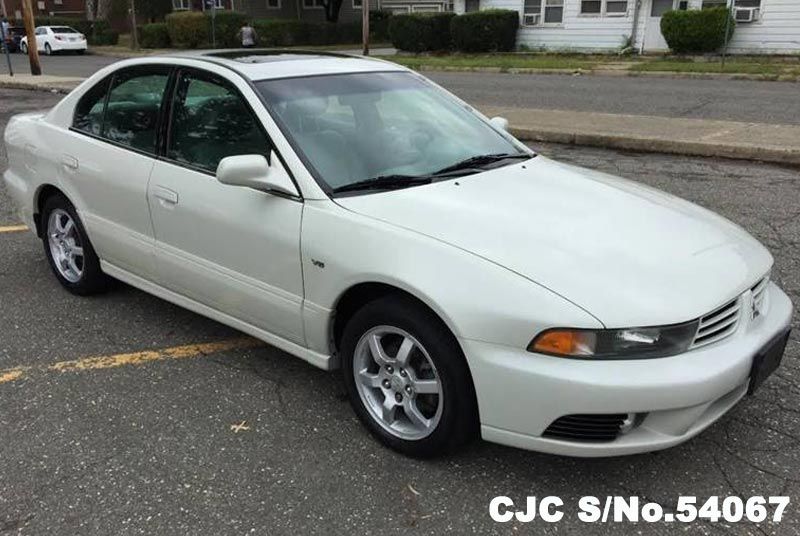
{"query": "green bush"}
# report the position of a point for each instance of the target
(491, 30)
(379, 25)
(105, 37)
(696, 31)
(188, 29)
(421, 32)
(154, 35)
(227, 24)
(284, 33)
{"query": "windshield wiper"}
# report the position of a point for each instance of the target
(385, 182)
(482, 159)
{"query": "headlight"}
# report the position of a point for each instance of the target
(629, 343)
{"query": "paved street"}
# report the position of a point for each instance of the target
(148, 443)
(731, 100)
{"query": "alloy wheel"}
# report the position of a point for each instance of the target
(65, 244)
(398, 382)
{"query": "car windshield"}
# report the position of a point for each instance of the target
(353, 128)
(63, 30)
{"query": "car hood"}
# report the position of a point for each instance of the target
(628, 254)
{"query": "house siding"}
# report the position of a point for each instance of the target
(777, 31)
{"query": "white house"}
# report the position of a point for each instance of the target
(763, 27)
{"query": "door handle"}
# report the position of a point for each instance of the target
(69, 162)
(165, 195)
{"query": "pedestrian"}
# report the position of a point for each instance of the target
(248, 35)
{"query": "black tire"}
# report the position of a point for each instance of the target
(459, 418)
(80, 52)
(92, 280)
(23, 48)
(48, 50)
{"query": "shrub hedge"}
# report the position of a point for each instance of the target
(421, 32)
(154, 35)
(490, 30)
(97, 32)
(226, 26)
(188, 29)
(696, 31)
(282, 33)
(379, 25)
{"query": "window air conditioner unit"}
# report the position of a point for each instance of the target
(531, 20)
(746, 14)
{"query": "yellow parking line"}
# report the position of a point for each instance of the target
(13, 228)
(135, 358)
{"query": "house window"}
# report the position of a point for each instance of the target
(708, 4)
(313, 4)
(616, 7)
(273, 4)
(553, 12)
(747, 3)
(591, 7)
(612, 7)
(219, 4)
(357, 4)
(180, 5)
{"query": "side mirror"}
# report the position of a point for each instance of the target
(253, 171)
(499, 122)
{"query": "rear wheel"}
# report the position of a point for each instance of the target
(23, 48)
(69, 252)
(80, 52)
(407, 379)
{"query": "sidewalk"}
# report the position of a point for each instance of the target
(696, 137)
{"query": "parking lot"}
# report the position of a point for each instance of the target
(123, 414)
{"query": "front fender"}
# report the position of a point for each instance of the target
(477, 299)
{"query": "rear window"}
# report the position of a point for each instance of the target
(64, 29)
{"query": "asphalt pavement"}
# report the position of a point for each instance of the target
(726, 100)
(248, 440)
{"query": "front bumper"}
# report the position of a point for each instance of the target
(520, 394)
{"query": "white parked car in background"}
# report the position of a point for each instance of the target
(354, 214)
(51, 39)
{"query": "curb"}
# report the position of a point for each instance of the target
(656, 145)
(608, 72)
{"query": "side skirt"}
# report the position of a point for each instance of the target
(317, 359)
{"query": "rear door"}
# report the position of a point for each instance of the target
(231, 248)
(109, 160)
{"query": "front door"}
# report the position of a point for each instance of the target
(234, 249)
(653, 39)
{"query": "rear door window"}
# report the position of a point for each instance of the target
(134, 106)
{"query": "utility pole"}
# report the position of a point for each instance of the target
(30, 33)
(134, 33)
(365, 26)
(727, 34)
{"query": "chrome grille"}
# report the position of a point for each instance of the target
(759, 291)
(718, 324)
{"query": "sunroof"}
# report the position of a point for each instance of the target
(270, 56)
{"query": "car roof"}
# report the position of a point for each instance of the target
(264, 64)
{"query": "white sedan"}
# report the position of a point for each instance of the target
(356, 215)
(52, 39)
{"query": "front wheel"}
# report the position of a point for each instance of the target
(47, 50)
(69, 252)
(407, 378)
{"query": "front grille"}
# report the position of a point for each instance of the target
(759, 291)
(587, 427)
(717, 325)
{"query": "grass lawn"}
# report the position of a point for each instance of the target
(734, 65)
(502, 61)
